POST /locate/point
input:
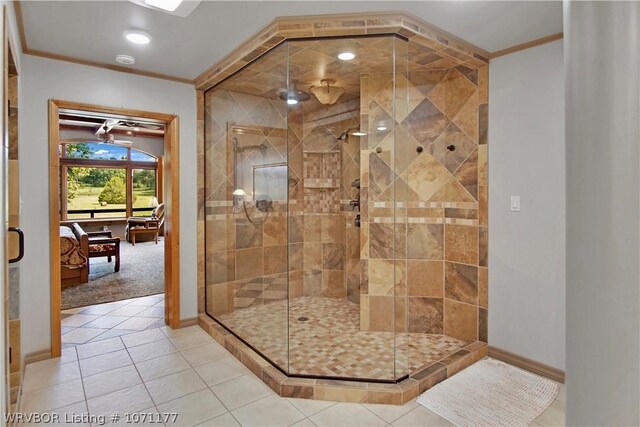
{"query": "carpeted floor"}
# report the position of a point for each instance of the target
(141, 274)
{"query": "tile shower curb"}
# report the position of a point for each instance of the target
(344, 391)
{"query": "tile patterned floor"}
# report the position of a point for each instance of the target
(102, 321)
(157, 372)
(260, 290)
(330, 342)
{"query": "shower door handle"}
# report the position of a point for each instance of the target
(20, 244)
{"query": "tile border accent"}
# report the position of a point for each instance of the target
(533, 366)
(344, 391)
(345, 25)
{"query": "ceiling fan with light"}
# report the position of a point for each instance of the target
(103, 137)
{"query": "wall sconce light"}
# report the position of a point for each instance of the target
(238, 196)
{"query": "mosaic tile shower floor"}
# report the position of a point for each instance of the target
(329, 342)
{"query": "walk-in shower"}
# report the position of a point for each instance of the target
(342, 233)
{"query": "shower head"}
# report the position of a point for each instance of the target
(344, 136)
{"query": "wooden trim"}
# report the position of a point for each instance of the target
(527, 364)
(37, 356)
(160, 180)
(100, 109)
(54, 231)
(172, 224)
(108, 164)
(527, 45)
(129, 192)
(105, 65)
(64, 193)
(172, 215)
(185, 323)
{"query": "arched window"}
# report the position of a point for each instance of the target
(107, 181)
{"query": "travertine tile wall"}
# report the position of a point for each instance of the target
(240, 252)
(242, 256)
(424, 240)
(329, 167)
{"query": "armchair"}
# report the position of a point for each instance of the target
(145, 225)
(102, 243)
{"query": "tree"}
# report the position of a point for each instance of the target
(114, 192)
(144, 178)
(98, 177)
(79, 151)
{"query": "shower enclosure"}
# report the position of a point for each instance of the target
(342, 183)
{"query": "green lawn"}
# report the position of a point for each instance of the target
(87, 198)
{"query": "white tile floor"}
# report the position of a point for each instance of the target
(99, 322)
(185, 372)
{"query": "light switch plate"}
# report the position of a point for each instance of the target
(515, 203)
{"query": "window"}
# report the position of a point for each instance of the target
(106, 181)
(95, 151)
(96, 192)
(144, 192)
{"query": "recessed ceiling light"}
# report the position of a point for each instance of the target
(292, 101)
(125, 59)
(359, 133)
(346, 56)
(138, 37)
(169, 5)
(381, 128)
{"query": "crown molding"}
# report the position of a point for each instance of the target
(527, 45)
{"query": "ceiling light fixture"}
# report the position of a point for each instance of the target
(137, 37)
(327, 94)
(346, 56)
(359, 133)
(125, 59)
(381, 128)
(292, 101)
(168, 5)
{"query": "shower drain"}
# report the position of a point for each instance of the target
(303, 319)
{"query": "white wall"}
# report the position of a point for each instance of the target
(527, 248)
(43, 79)
(602, 45)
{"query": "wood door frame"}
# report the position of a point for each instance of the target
(172, 211)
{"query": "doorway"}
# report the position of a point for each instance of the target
(112, 155)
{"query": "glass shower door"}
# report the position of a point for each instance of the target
(246, 206)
